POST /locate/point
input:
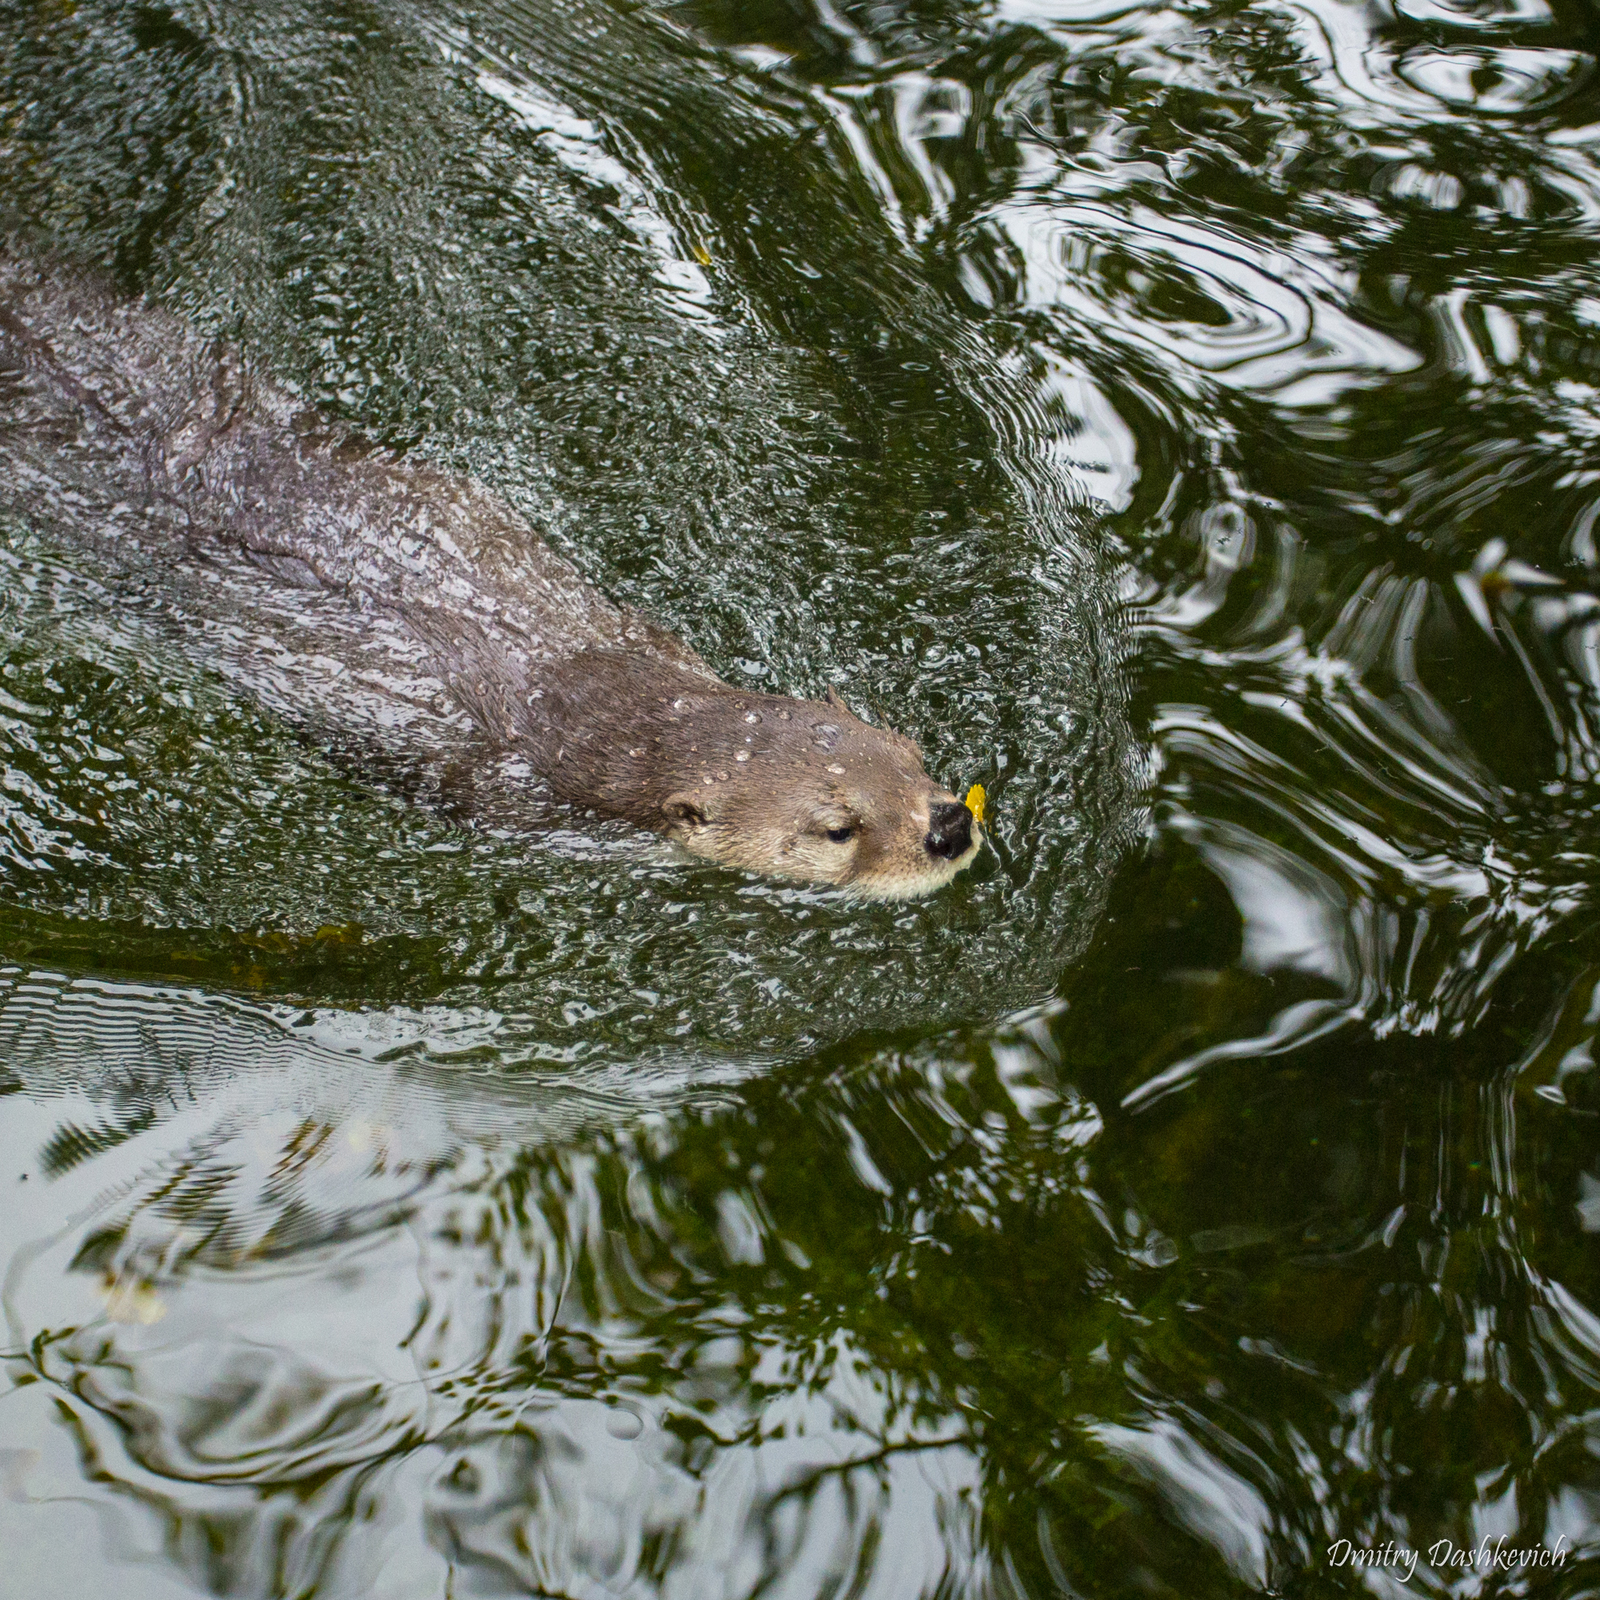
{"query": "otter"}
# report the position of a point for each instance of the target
(203, 458)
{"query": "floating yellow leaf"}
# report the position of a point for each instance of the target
(702, 255)
(975, 801)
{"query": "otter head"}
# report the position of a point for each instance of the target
(795, 789)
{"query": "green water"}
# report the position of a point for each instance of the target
(1185, 422)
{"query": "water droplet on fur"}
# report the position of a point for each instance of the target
(742, 755)
(836, 768)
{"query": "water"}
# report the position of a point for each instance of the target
(1183, 421)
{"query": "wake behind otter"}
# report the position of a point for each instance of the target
(363, 597)
(798, 513)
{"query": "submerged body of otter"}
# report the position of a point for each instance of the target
(201, 458)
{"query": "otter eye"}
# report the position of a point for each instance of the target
(842, 835)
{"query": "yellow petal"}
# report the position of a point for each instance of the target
(975, 801)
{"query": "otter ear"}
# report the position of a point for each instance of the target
(690, 808)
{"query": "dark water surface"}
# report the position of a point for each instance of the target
(1185, 421)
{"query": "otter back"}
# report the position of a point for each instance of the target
(194, 457)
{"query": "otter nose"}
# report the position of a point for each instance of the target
(949, 830)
